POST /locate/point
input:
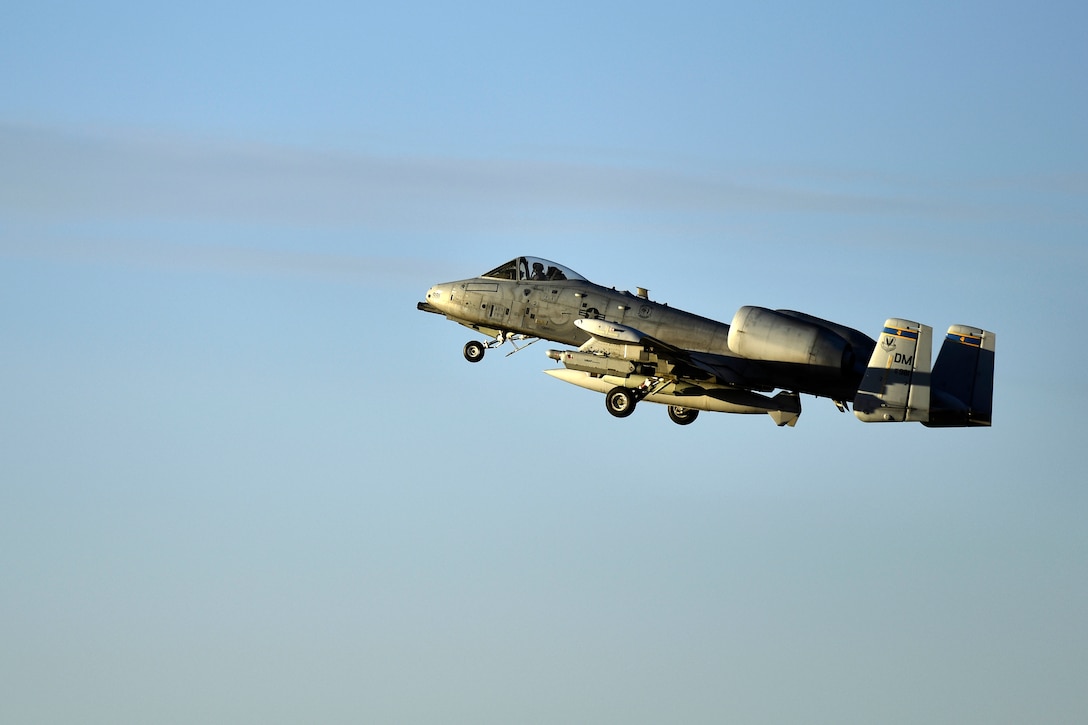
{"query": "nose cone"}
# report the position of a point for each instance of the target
(437, 299)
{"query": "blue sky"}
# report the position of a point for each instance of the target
(244, 480)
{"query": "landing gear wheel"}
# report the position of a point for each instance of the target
(474, 351)
(620, 401)
(683, 416)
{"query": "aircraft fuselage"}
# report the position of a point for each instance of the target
(548, 309)
(508, 301)
(631, 348)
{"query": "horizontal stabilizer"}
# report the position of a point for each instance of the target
(963, 379)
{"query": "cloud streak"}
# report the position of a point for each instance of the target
(218, 259)
(257, 208)
(65, 174)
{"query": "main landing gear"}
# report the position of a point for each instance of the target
(682, 416)
(474, 349)
(621, 402)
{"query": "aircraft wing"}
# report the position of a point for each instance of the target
(608, 336)
(722, 369)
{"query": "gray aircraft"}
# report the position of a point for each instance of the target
(633, 349)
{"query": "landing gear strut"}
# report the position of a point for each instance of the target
(474, 351)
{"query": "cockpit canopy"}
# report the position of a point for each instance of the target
(525, 269)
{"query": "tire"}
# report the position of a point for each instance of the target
(474, 351)
(620, 402)
(683, 416)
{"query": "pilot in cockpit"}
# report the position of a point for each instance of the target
(538, 271)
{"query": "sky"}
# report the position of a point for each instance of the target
(243, 479)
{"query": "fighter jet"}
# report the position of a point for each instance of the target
(633, 349)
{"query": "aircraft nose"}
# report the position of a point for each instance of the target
(437, 298)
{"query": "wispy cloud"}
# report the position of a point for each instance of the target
(56, 183)
(68, 174)
(217, 259)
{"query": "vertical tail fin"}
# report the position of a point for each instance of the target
(896, 384)
(963, 379)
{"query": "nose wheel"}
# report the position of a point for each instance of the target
(474, 351)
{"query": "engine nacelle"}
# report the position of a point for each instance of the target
(761, 334)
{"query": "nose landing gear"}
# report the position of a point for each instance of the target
(474, 350)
